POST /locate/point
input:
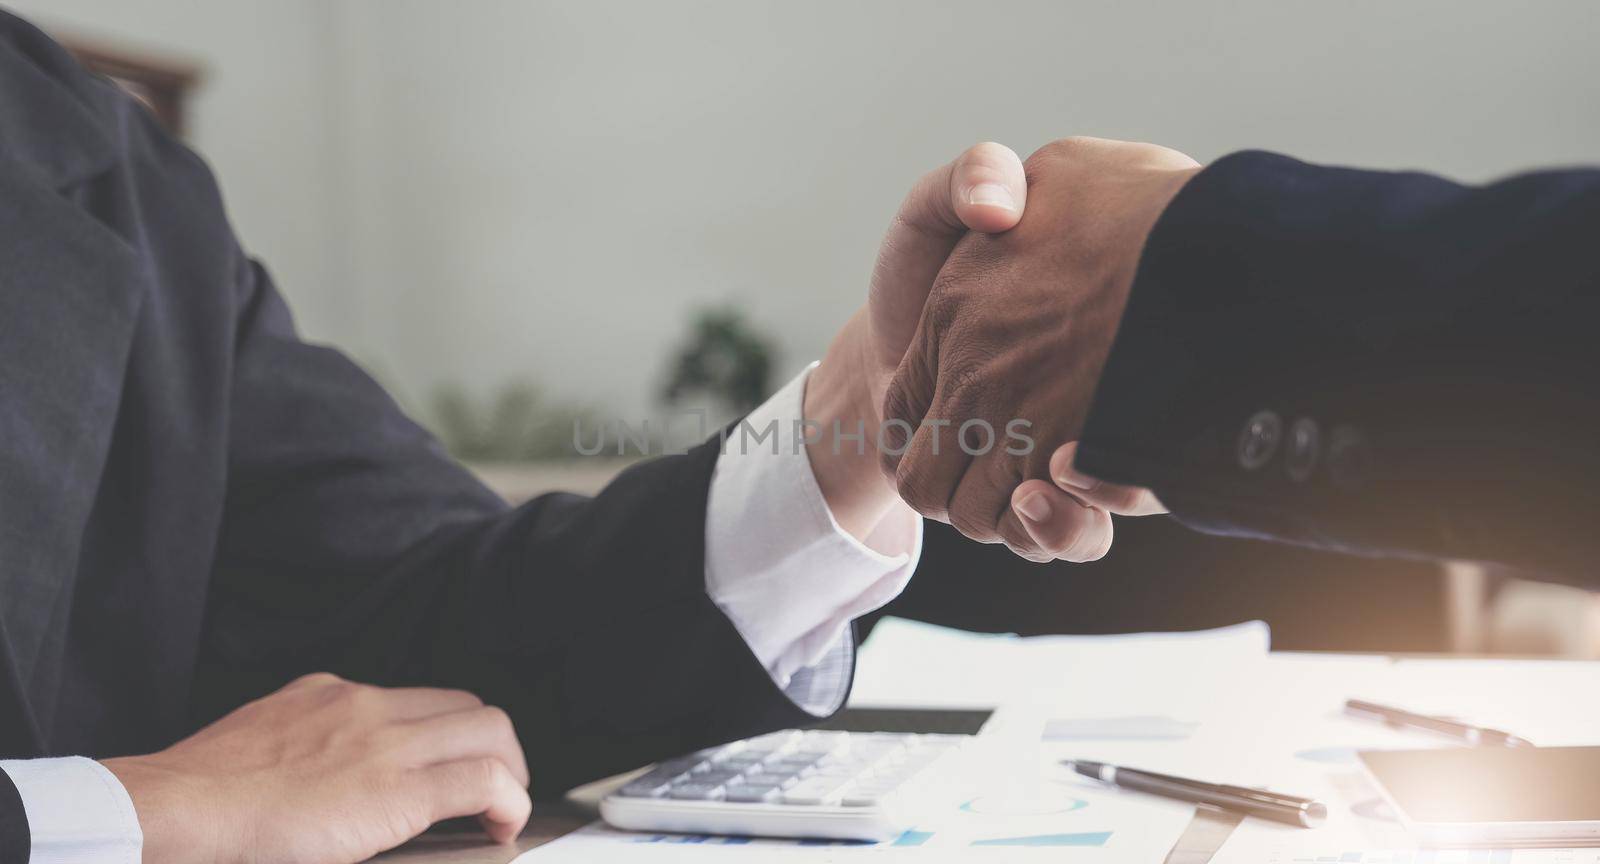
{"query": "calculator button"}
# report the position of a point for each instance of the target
(657, 775)
(741, 762)
(675, 766)
(812, 792)
(861, 799)
(718, 777)
(798, 769)
(840, 773)
(645, 789)
(782, 781)
(696, 792)
(751, 794)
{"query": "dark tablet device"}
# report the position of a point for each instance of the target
(1493, 796)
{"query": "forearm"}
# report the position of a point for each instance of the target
(1430, 343)
(586, 618)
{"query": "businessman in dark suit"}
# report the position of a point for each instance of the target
(197, 508)
(1363, 361)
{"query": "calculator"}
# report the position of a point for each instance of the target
(815, 784)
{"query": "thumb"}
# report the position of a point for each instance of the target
(983, 189)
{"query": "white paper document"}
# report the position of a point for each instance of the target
(909, 664)
(1211, 705)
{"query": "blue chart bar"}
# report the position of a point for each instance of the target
(1097, 838)
(912, 838)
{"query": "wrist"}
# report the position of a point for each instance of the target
(178, 825)
(1152, 195)
(843, 396)
(1163, 189)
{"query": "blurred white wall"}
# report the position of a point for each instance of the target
(480, 190)
(547, 187)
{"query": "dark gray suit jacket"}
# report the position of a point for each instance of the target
(1366, 361)
(196, 506)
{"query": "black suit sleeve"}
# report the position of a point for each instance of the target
(1367, 361)
(16, 841)
(352, 543)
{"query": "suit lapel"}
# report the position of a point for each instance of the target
(70, 292)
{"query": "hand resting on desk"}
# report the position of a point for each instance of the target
(326, 770)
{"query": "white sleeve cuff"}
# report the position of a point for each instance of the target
(78, 811)
(778, 564)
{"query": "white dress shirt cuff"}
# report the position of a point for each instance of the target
(77, 811)
(780, 567)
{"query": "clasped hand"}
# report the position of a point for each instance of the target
(1014, 334)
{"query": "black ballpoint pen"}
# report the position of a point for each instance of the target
(1305, 812)
(1466, 733)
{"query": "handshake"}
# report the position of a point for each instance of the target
(993, 306)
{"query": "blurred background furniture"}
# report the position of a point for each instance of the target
(164, 84)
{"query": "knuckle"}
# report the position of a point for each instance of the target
(973, 262)
(317, 679)
(1065, 148)
(499, 720)
(361, 697)
(473, 778)
(1031, 552)
(1062, 151)
(969, 382)
(900, 400)
(964, 380)
(919, 496)
(920, 492)
(487, 772)
(962, 520)
(974, 520)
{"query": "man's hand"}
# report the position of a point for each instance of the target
(327, 772)
(984, 190)
(1013, 337)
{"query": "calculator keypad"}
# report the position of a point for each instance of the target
(803, 769)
